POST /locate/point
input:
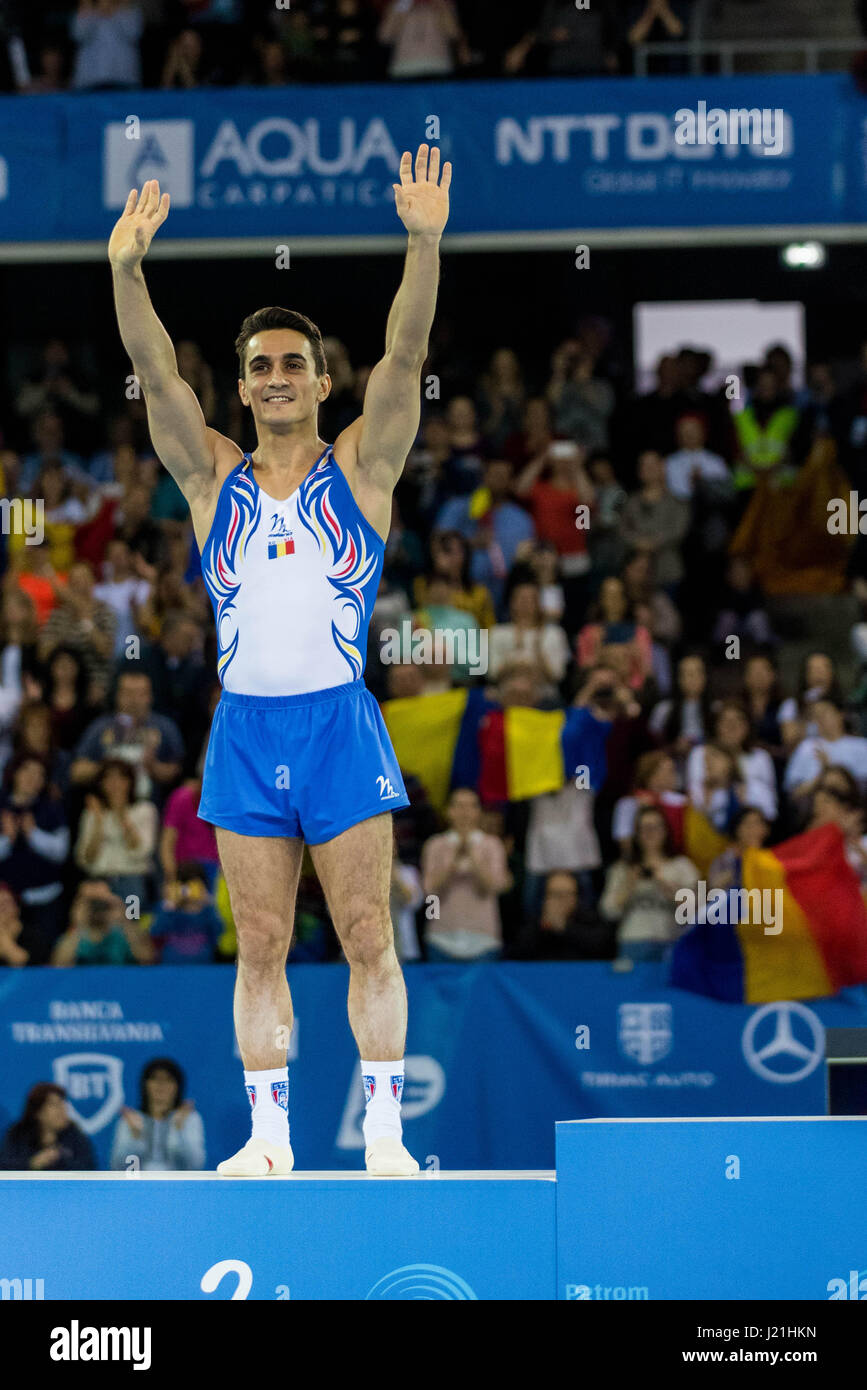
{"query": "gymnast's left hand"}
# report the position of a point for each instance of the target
(423, 202)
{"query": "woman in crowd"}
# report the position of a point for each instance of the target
(501, 398)
(466, 870)
(656, 523)
(45, 1139)
(534, 435)
(763, 699)
(682, 722)
(655, 785)
(614, 625)
(642, 587)
(564, 928)
(818, 677)
(66, 692)
(831, 746)
(529, 639)
(34, 844)
(117, 835)
(450, 560)
(838, 801)
(166, 1133)
(732, 733)
(34, 734)
(640, 890)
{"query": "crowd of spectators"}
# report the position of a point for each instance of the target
(164, 1134)
(92, 45)
(607, 550)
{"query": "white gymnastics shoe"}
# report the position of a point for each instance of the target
(387, 1158)
(258, 1159)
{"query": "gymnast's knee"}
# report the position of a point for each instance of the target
(263, 943)
(368, 940)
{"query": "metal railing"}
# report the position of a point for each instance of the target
(726, 49)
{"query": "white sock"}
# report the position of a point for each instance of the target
(383, 1089)
(268, 1093)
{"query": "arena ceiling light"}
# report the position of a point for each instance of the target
(804, 255)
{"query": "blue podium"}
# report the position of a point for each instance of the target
(454, 1236)
(639, 1209)
(712, 1209)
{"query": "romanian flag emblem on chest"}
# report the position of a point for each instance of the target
(278, 548)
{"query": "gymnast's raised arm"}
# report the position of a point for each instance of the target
(182, 439)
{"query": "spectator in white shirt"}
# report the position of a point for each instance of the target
(425, 36)
(833, 747)
(692, 462)
(125, 589)
(107, 33)
(529, 640)
(733, 733)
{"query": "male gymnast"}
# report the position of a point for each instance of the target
(292, 538)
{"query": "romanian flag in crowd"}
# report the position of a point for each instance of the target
(809, 941)
(702, 842)
(460, 738)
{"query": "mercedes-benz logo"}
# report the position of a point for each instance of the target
(798, 1057)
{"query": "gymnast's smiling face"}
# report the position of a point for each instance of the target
(280, 383)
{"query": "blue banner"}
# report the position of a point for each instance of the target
(557, 155)
(496, 1054)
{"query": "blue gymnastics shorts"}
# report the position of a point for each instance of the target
(301, 766)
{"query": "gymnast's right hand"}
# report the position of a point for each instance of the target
(134, 229)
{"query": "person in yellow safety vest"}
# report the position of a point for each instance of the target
(764, 430)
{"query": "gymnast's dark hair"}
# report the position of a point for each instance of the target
(274, 317)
